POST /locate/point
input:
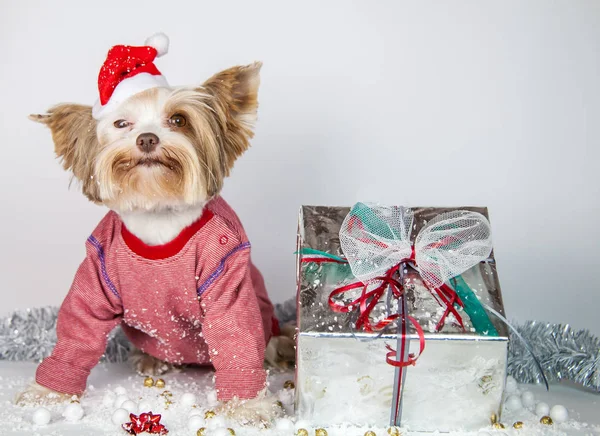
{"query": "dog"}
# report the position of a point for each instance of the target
(170, 262)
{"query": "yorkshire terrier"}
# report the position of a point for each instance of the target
(170, 262)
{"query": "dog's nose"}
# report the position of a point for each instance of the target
(147, 142)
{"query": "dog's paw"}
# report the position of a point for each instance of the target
(38, 395)
(144, 364)
(260, 411)
(281, 352)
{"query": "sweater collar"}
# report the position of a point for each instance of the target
(156, 252)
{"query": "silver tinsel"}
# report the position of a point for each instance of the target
(30, 335)
(565, 354)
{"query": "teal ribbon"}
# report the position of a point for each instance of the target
(478, 315)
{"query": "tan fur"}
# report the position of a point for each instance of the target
(194, 159)
(235, 103)
(75, 142)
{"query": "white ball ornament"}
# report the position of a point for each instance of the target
(119, 401)
(120, 416)
(73, 412)
(542, 409)
(221, 431)
(284, 425)
(511, 385)
(513, 402)
(120, 390)
(195, 422)
(216, 422)
(211, 398)
(195, 412)
(41, 416)
(528, 399)
(484, 433)
(160, 42)
(559, 413)
(130, 406)
(188, 399)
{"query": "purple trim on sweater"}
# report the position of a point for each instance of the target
(217, 272)
(92, 240)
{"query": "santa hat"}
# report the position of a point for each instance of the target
(129, 70)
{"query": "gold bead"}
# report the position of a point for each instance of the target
(209, 414)
(370, 433)
(231, 431)
(320, 432)
(160, 383)
(498, 425)
(494, 418)
(289, 384)
(148, 382)
(546, 420)
(201, 431)
(279, 404)
(394, 431)
(302, 432)
(518, 425)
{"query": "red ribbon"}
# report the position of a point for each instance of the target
(145, 423)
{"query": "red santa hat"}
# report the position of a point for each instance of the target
(129, 70)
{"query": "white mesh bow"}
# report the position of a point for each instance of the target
(377, 238)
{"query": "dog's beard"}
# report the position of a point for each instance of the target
(170, 177)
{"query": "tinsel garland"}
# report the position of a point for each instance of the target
(565, 354)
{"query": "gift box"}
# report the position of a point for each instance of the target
(398, 318)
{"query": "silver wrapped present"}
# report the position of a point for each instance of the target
(345, 366)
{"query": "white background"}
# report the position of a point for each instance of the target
(422, 103)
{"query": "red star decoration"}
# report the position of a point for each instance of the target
(145, 422)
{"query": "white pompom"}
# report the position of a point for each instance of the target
(217, 422)
(119, 401)
(284, 425)
(195, 422)
(73, 412)
(511, 385)
(542, 409)
(41, 416)
(160, 42)
(120, 416)
(528, 399)
(188, 399)
(221, 431)
(559, 413)
(513, 402)
(130, 406)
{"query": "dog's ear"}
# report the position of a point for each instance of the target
(75, 142)
(235, 101)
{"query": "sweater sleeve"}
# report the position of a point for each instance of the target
(90, 311)
(233, 329)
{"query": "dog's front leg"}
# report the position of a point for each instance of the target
(260, 411)
(36, 394)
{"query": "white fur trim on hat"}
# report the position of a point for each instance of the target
(125, 89)
(160, 42)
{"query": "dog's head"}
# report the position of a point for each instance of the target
(162, 147)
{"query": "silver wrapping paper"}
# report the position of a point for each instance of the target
(342, 376)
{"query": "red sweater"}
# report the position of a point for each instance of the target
(197, 299)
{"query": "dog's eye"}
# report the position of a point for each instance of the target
(177, 120)
(121, 124)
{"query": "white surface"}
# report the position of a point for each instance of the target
(420, 103)
(583, 406)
